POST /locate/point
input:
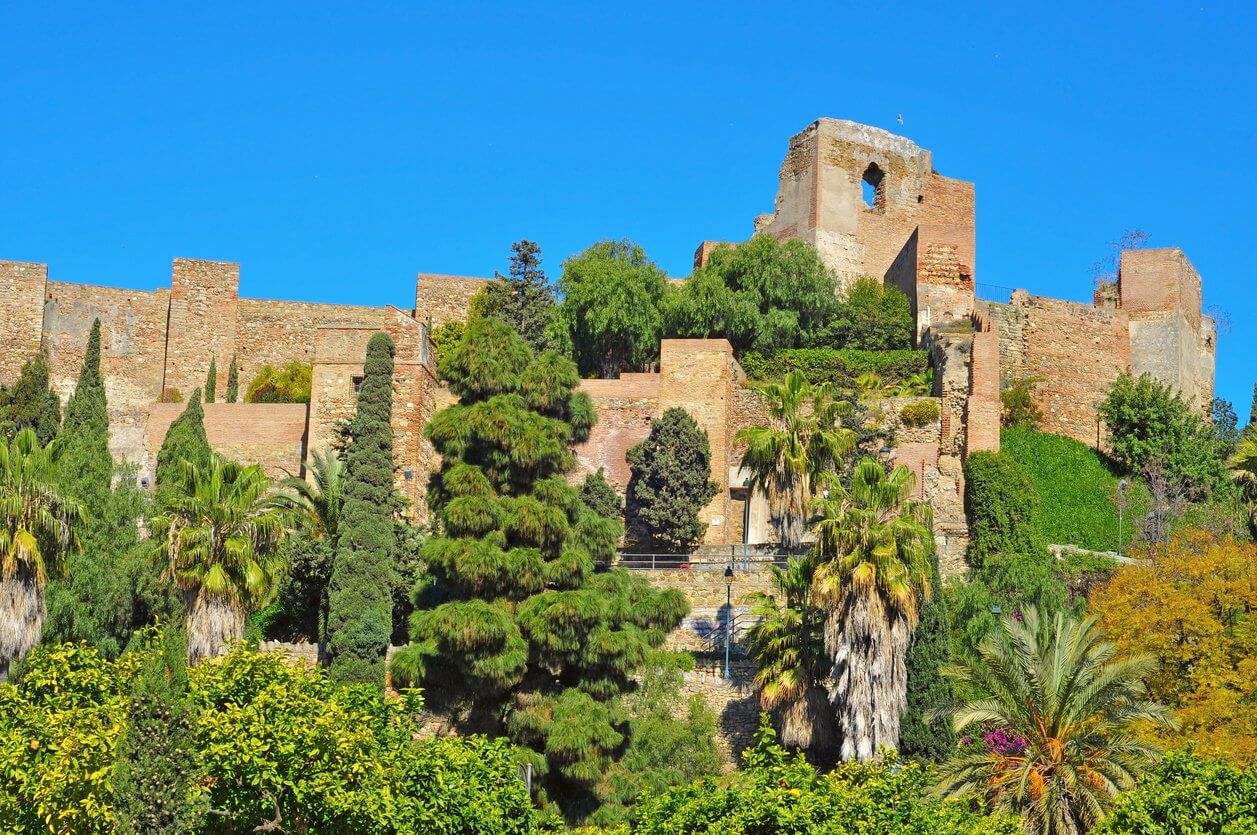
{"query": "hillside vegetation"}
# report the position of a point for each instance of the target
(1076, 488)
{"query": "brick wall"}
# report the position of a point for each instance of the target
(133, 352)
(270, 434)
(982, 411)
(441, 298)
(202, 321)
(278, 332)
(21, 315)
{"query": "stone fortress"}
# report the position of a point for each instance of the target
(915, 230)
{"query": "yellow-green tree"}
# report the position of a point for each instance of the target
(1193, 608)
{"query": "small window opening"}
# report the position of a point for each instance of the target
(872, 187)
(357, 383)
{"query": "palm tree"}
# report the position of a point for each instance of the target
(918, 385)
(37, 526)
(1243, 466)
(1064, 704)
(874, 545)
(219, 537)
(314, 505)
(787, 644)
(804, 439)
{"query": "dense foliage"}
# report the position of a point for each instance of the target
(841, 367)
(529, 639)
(869, 316)
(1193, 608)
(613, 300)
(600, 497)
(919, 413)
(1055, 706)
(211, 381)
(777, 793)
(185, 442)
(30, 403)
(524, 299)
(1002, 506)
(761, 295)
(922, 735)
(1186, 794)
(233, 380)
(1018, 407)
(1148, 421)
(158, 769)
(671, 482)
(359, 598)
(290, 383)
(280, 747)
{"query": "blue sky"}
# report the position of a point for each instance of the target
(337, 150)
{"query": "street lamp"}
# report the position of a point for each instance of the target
(1121, 503)
(728, 616)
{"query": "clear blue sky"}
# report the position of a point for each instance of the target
(335, 151)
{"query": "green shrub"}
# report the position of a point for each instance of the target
(920, 413)
(1001, 503)
(840, 366)
(170, 396)
(1017, 404)
(1076, 489)
(1187, 794)
(289, 384)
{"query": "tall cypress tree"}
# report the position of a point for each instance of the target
(157, 763)
(87, 465)
(360, 604)
(185, 441)
(211, 381)
(233, 380)
(927, 687)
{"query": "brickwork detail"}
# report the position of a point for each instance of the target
(202, 322)
(21, 315)
(442, 298)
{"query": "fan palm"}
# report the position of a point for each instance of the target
(314, 505)
(1060, 692)
(918, 385)
(787, 644)
(219, 537)
(874, 544)
(1243, 467)
(804, 439)
(37, 525)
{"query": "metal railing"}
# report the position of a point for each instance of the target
(738, 557)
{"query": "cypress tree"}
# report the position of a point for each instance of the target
(211, 381)
(185, 441)
(927, 687)
(671, 481)
(87, 466)
(157, 764)
(1252, 412)
(31, 403)
(233, 380)
(360, 604)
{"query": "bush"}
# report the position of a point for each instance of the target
(1001, 503)
(170, 396)
(778, 793)
(1187, 794)
(920, 413)
(671, 481)
(870, 316)
(289, 384)
(840, 366)
(1076, 489)
(1017, 404)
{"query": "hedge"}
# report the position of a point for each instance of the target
(840, 366)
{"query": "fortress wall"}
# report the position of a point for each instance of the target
(442, 298)
(698, 376)
(21, 315)
(982, 411)
(277, 332)
(625, 409)
(270, 434)
(1076, 351)
(133, 352)
(202, 322)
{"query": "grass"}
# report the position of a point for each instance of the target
(1076, 488)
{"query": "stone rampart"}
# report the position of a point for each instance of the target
(21, 315)
(270, 434)
(443, 298)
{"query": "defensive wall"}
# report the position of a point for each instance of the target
(915, 230)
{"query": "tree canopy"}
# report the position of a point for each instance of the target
(671, 481)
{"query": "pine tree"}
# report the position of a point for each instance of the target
(185, 441)
(671, 481)
(523, 298)
(157, 766)
(526, 621)
(211, 381)
(233, 380)
(31, 403)
(928, 689)
(360, 605)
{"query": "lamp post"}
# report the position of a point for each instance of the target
(728, 617)
(1121, 504)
